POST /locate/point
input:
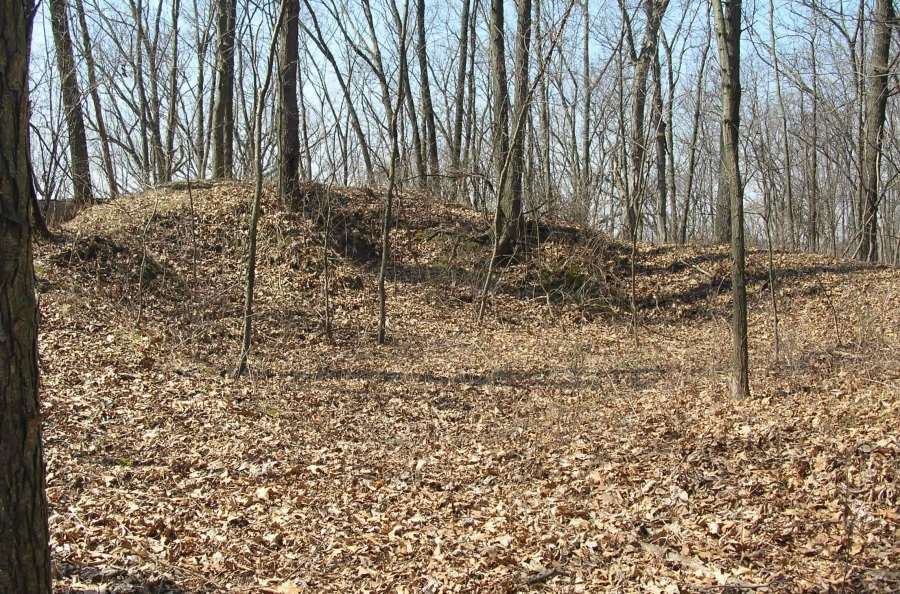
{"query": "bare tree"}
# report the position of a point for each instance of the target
(654, 11)
(393, 117)
(876, 107)
(728, 36)
(223, 109)
(246, 336)
(93, 88)
(80, 162)
(427, 107)
(288, 114)
(509, 155)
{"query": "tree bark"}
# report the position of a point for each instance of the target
(288, 113)
(65, 59)
(723, 212)
(728, 36)
(876, 106)
(501, 122)
(24, 536)
(662, 223)
(223, 108)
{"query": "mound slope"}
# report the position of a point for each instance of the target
(544, 449)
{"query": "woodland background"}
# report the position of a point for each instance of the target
(622, 133)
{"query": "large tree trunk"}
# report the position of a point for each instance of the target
(876, 106)
(288, 113)
(728, 36)
(223, 108)
(722, 223)
(24, 537)
(80, 163)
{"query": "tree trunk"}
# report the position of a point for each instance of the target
(662, 223)
(24, 537)
(459, 95)
(427, 108)
(223, 109)
(543, 111)
(509, 222)
(95, 100)
(655, 9)
(288, 114)
(723, 212)
(728, 36)
(692, 151)
(813, 232)
(586, 118)
(876, 106)
(172, 121)
(80, 165)
(241, 366)
(501, 121)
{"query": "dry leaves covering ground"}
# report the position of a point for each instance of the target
(545, 450)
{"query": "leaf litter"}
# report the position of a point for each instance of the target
(544, 450)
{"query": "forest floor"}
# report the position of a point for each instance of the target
(546, 448)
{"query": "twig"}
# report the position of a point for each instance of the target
(738, 586)
(543, 577)
(697, 268)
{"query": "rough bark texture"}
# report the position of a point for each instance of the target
(728, 35)
(876, 106)
(223, 109)
(722, 223)
(24, 538)
(80, 163)
(288, 112)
